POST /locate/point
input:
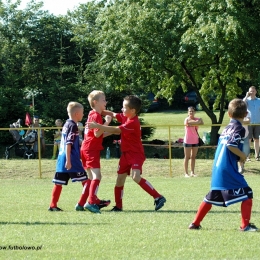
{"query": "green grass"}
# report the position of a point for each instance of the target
(175, 119)
(137, 233)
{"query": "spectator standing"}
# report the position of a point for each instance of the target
(191, 140)
(246, 146)
(253, 105)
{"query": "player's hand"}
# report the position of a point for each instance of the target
(68, 165)
(92, 125)
(108, 118)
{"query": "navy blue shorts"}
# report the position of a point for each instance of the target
(225, 198)
(62, 178)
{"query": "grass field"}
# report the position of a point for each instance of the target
(136, 233)
(174, 119)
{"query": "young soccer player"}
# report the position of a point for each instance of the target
(68, 165)
(228, 186)
(90, 154)
(132, 156)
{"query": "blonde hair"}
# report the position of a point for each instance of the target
(94, 95)
(73, 107)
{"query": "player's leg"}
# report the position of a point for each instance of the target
(159, 200)
(213, 197)
(187, 155)
(85, 192)
(246, 209)
(58, 180)
(119, 191)
(94, 185)
(194, 151)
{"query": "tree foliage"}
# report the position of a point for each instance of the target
(128, 46)
(207, 46)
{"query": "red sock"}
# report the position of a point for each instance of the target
(93, 189)
(85, 192)
(119, 192)
(246, 208)
(204, 208)
(56, 191)
(146, 185)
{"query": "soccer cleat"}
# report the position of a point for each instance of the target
(92, 208)
(103, 203)
(54, 209)
(116, 209)
(53, 157)
(79, 208)
(186, 175)
(159, 203)
(193, 226)
(250, 227)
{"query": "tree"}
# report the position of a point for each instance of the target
(160, 45)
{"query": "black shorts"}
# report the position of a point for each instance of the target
(190, 145)
(62, 178)
(225, 198)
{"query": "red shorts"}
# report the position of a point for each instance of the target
(130, 160)
(90, 159)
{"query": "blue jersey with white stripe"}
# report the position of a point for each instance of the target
(225, 175)
(70, 135)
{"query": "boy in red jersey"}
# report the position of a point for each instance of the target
(90, 154)
(132, 157)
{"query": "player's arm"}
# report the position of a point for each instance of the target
(98, 133)
(68, 159)
(108, 113)
(237, 152)
(104, 128)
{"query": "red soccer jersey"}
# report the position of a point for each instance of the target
(130, 134)
(91, 142)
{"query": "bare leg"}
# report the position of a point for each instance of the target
(194, 152)
(187, 155)
(256, 146)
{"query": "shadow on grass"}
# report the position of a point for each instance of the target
(48, 223)
(183, 211)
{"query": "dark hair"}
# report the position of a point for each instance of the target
(36, 116)
(134, 102)
(237, 108)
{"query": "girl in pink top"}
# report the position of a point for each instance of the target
(191, 140)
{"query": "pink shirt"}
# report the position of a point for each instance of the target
(191, 135)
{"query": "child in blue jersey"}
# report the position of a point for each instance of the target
(68, 165)
(228, 186)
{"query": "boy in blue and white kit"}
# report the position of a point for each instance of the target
(68, 165)
(228, 186)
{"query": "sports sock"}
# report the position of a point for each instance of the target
(204, 208)
(56, 191)
(85, 192)
(55, 148)
(147, 186)
(119, 193)
(246, 208)
(93, 190)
